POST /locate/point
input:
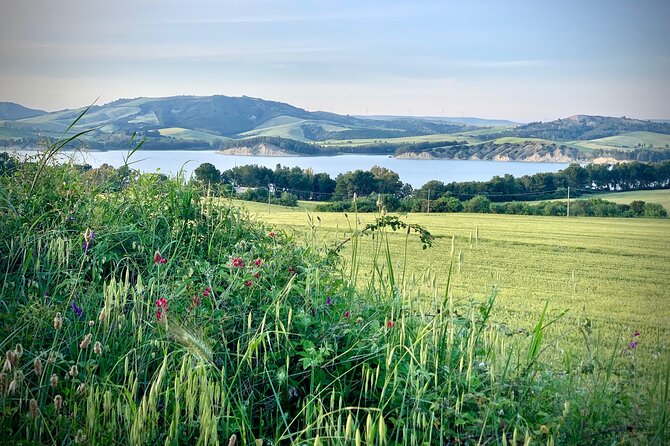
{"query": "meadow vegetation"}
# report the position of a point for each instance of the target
(138, 309)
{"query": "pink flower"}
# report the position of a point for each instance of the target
(162, 303)
(291, 270)
(158, 258)
(636, 334)
(238, 262)
(248, 283)
(159, 315)
(206, 292)
(257, 274)
(272, 234)
(258, 262)
(347, 313)
(390, 324)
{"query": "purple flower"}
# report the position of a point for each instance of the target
(329, 301)
(632, 345)
(636, 334)
(77, 310)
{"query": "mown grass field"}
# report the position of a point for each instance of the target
(660, 196)
(610, 274)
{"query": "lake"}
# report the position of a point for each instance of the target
(414, 172)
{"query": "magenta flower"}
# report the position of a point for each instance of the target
(162, 303)
(272, 234)
(158, 258)
(390, 324)
(636, 334)
(347, 314)
(238, 262)
(329, 301)
(249, 283)
(206, 292)
(258, 262)
(632, 345)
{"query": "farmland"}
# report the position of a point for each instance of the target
(613, 272)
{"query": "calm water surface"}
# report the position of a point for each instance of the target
(414, 172)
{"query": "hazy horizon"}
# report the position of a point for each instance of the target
(520, 60)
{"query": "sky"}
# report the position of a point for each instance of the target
(526, 60)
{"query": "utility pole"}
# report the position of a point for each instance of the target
(568, 201)
(429, 201)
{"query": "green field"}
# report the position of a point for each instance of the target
(627, 141)
(660, 196)
(612, 271)
(405, 140)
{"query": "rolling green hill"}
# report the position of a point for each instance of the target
(210, 122)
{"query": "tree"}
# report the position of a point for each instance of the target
(207, 173)
(388, 182)
(479, 204)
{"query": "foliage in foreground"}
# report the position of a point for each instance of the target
(152, 316)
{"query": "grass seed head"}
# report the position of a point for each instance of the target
(37, 364)
(58, 402)
(58, 321)
(53, 380)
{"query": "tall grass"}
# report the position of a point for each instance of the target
(154, 314)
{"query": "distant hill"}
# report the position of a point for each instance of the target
(256, 126)
(584, 127)
(11, 111)
(229, 117)
(467, 120)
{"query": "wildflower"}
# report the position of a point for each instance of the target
(34, 411)
(390, 324)
(37, 365)
(272, 234)
(347, 314)
(58, 402)
(162, 303)
(258, 262)
(53, 380)
(78, 311)
(329, 301)
(85, 342)
(291, 270)
(97, 348)
(238, 262)
(74, 371)
(632, 345)
(159, 315)
(249, 283)
(91, 323)
(207, 291)
(257, 274)
(636, 334)
(158, 258)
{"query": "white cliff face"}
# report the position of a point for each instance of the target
(257, 150)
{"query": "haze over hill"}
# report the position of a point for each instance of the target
(253, 126)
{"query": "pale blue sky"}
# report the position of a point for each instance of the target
(520, 60)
